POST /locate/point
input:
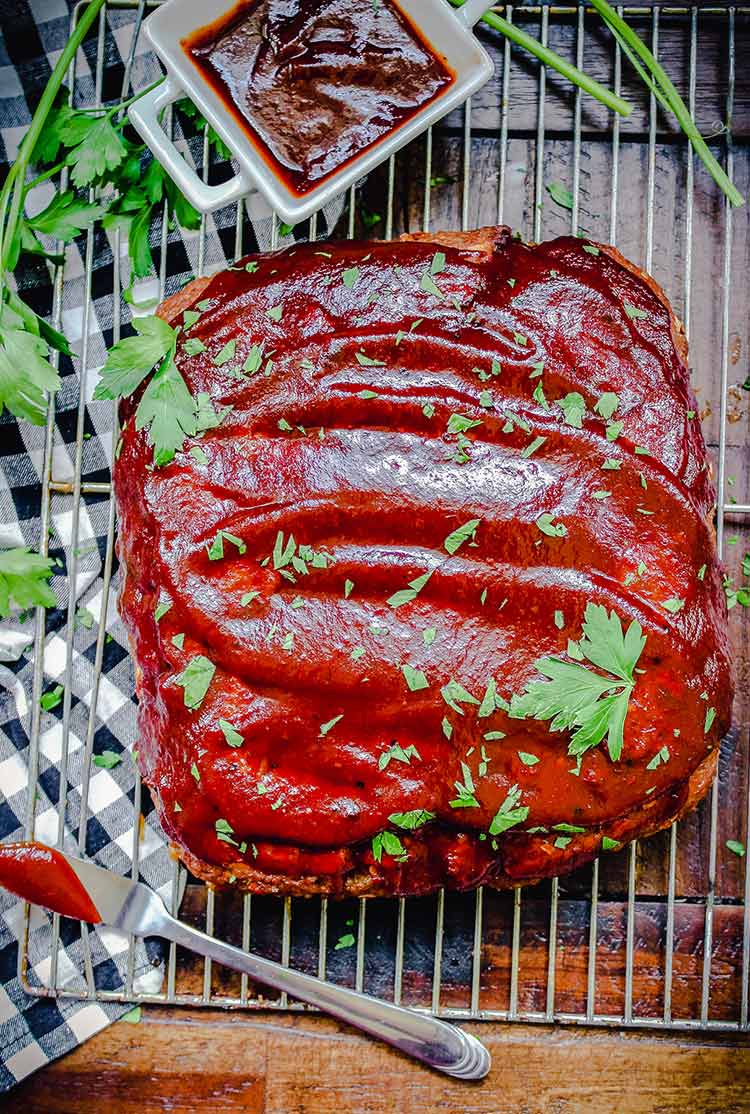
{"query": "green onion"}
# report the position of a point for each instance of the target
(662, 88)
(554, 61)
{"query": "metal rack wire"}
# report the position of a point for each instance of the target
(440, 954)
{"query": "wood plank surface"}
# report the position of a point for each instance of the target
(186, 1061)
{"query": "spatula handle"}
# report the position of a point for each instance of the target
(427, 1038)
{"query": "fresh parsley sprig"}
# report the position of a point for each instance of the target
(24, 581)
(166, 408)
(576, 696)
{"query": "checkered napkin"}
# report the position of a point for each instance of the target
(81, 719)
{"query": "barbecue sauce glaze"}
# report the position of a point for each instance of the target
(340, 437)
(315, 82)
(41, 875)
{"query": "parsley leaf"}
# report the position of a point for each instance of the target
(415, 818)
(415, 678)
(548, 526)
(230, 733)
(25, 374)
(389, 843)
(99, 147)
(195, 679)
(23, 580)
(510, 812)
(397, 753)
(130, 360)
(576, 696)
(461, 534)
(107, 760)
(168, 409)
(65, 217)
(574, 407)
(560, 195)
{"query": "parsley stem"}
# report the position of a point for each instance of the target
(660, 85)
(554, 61)
(13, 191)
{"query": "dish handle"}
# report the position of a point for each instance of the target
(471, 11)
(145, 115)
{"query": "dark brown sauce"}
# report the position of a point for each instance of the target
(316, 82)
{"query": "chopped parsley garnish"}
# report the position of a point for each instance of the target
(465, 790)
(591, 249)
(527, 759)
(736, 847)
(366, 361)
(548, 526)
(660, 758)
(195, 679)
(454, 694)
(248, 597)
(225, 354)
(107, 760)
(389, 843)
(326, 727)
(560, 195)
(575, 696)
(275, 312)
(161, 609)
(609, 844)
(461, 534)
(345, 941)
(230, 733)
(614, 429)
(710, 717)
(574, 407)
(533, 446)
(428, 635)
(612, 465)
(411, 820)
(215, 549)
(348, 587)
(459, 423)
(487, 707)
(397, 753)
(350, 277)
(406, 595)
(607, 404)
(673, 605)
(414, 678)
(225, 832)
(510, 812)
(633, 312)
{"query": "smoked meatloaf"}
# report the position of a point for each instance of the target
(449, 471)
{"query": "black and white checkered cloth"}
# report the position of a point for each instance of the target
(34, 1028)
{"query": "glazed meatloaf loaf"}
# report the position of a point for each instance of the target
(436, 600)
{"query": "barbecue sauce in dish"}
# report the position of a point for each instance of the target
(316, 82)
(43, 876)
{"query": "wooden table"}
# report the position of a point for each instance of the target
(183, 1061)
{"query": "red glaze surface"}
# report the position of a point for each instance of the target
(373, 482)
(43, 876)
(316, 82)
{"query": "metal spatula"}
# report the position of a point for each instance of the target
(133, 907)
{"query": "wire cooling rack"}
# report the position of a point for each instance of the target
(658, 935)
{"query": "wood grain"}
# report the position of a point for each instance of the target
(182, 1062)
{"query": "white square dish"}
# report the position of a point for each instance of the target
(446, 30)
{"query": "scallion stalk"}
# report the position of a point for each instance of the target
(658, 82)
(596, 90)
